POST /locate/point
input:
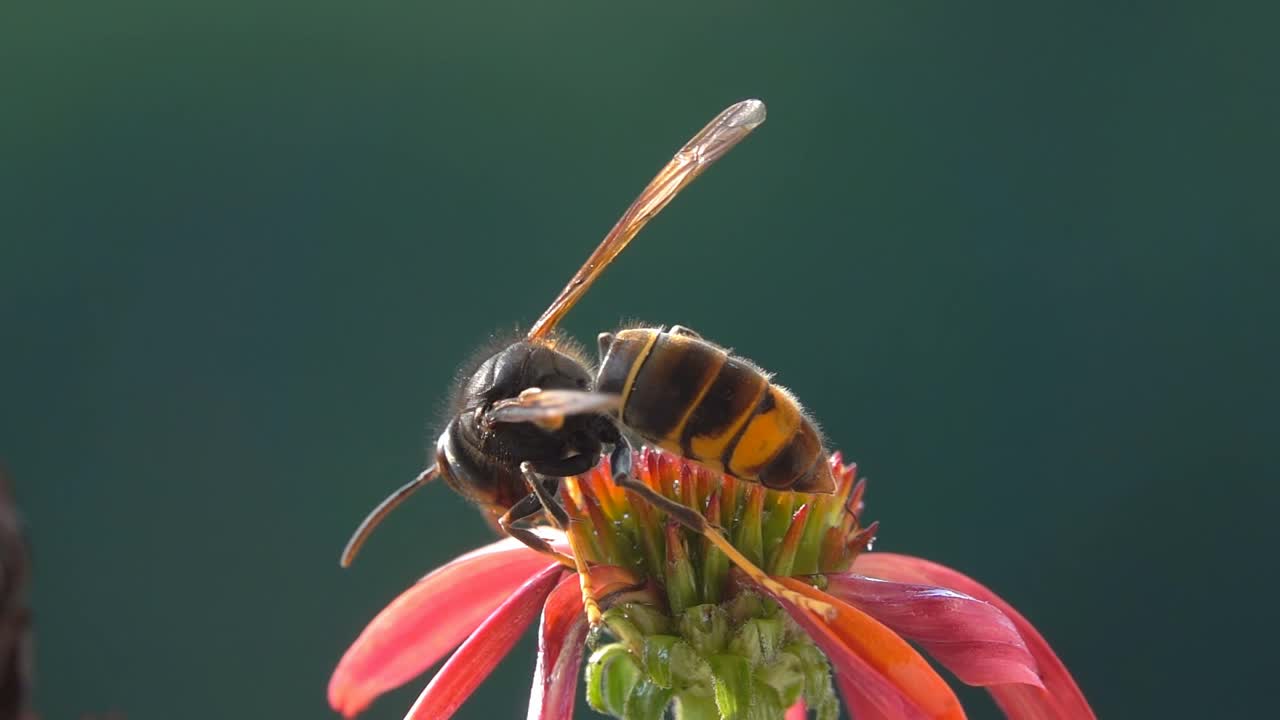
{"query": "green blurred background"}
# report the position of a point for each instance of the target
(1019, 258)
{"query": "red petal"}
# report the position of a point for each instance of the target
(481, 653)
(1061, 697)
(971, 638)
(859, 704)
(560, 641)
(428, 620)
(797, 711)
(886, 671)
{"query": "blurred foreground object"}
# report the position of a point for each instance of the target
(15, 633)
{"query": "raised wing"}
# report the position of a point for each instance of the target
(710, 144)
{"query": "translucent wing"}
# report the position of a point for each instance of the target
(548, 408)
(710, 144)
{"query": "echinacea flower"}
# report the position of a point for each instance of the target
(691, 633)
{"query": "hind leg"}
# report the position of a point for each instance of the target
(694, 520)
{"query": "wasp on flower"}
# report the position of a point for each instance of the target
(722, 558)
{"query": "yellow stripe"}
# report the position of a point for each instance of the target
(673, 436)
(635, 370)
(767, 434)
(707, 449)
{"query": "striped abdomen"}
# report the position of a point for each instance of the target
(690, 397)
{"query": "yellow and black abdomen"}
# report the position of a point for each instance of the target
(693, 398)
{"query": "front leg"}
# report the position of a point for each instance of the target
(543, 488)
(555, 510)
(515, 523)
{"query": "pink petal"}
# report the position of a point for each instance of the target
(859, 704)
(1060, 699)
(561, 639)
(971, 638)
(428, 620)
(797, 711)
(481, 653)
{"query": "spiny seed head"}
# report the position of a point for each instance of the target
(740, 659)
(785, 533)
(702, 642)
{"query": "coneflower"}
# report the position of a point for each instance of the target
(683, 631)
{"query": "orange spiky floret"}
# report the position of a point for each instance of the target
(787, 533)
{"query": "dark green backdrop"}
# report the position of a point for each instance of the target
(1018, 257)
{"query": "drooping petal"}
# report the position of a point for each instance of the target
(888, 673)
(858, 703)
(481, 653)
(429, 619)
(1060, 699)
(970, 637)
(560, 642)
(851, 671)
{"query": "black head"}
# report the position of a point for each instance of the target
(519, 366)
(482, 458)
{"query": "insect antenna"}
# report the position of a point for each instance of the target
(384, 508)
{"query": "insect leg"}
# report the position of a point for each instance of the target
(513, 523)
(554, 510)
(543, 491)
(621, 459)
